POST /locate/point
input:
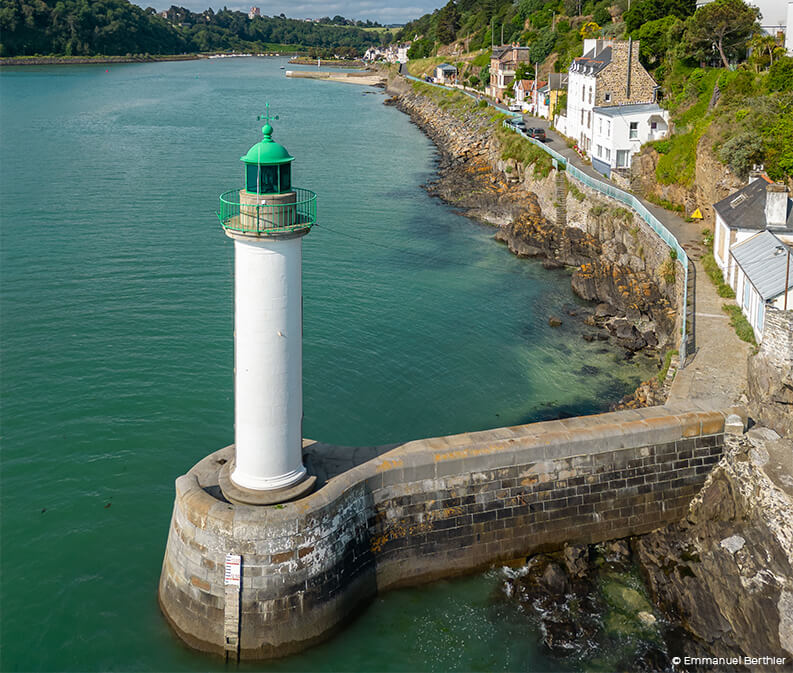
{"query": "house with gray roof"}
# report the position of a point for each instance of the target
(758, 206)
(763, 277)
(445, 74)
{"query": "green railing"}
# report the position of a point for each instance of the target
(270, 218)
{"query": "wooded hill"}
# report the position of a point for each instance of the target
(688, 51)
(118, 27)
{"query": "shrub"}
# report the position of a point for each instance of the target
(667, 271)
(598, 209)
(740, 324)
(780, 76)
(667, 362)
(741, 152)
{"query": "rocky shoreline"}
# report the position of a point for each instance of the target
(720, 582)
(99, 60)
(612, 259)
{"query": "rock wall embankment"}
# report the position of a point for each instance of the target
(616, 258)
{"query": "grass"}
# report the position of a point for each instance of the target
(667, 362)
(598, 209)
(713, 270)
(666, 205)
(677, 162)
(514, 146)
(578, 195)
(740, 324)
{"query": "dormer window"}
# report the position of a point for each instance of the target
(738, 200)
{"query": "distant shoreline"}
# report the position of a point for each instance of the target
(88, 60)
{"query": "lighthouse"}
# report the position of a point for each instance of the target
(267, 219)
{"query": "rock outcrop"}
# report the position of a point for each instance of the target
(726, 571)
(770, 373)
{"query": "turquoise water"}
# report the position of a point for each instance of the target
(116, 326)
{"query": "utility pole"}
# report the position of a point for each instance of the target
(502, 34)
(492, 35)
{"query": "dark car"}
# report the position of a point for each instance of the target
(428, 79)
(536, 133)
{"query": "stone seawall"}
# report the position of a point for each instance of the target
(420, 511)
(616, 258)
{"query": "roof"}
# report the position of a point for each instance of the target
(558, 80)
(525, 84)
(629, 109)
(763, 258)
(267, 151)
(745, 209)
(446, 67)
(589, 64)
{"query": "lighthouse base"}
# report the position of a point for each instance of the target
(246, 496)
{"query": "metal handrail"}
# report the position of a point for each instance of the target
(267, 218)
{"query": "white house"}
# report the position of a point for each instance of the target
(548, 94)
(402, 53)
(608, 74)
(763, 277)
(618, 131)
(445, 74)
(760, 205)
(523, 89)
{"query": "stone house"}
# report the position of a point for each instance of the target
(446, 74)
(548, 94)
(503, 63)
(608, 74)
(619, 131)
(762, 277)
(758, 206)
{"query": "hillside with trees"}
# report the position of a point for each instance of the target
(728, 86)
(118, 27)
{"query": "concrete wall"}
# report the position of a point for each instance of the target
(423, 510)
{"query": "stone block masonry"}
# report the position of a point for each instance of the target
(421, 511)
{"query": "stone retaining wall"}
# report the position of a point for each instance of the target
(423, 510)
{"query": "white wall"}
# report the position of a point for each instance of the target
(578, 97)
(613, 134)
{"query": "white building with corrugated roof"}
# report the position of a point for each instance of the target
(763, 277)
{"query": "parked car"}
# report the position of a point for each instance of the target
(515, 107)
(536, 133)
(428, 79)
(517, 124)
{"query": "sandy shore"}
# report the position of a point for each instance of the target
(366, 78)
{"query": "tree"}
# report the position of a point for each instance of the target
(725, 24)
(589, 29)
(764, 48)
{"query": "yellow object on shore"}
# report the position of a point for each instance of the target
(697, 214)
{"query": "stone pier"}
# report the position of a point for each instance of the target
(420, 511)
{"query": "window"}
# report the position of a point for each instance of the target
(746, 292)
(622, 158)
(599, 150)
(608, 128)
(653, 125)
(582, 117)
(760, 316)
(589, 119)
(608, 154)
(634, 131)
(583, 92)
(600, 124)
(608, 97)
(590, 95)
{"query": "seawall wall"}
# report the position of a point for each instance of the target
(420, 511)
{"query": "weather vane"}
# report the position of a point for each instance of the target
(266, 116)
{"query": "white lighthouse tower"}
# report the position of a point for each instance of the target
(267, 220)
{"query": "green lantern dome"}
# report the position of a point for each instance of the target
(267, 152)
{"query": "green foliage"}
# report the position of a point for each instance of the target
(598, 209)
(741, 152)
(780, 75)
(667, 271)
(515, 146)
(657, 38)
(646, 11)
(740, 324)
(117, 27)
(578, 195)
(714, 272)
(542, 46)
(483, 59)
(726, 23)
(667, 363)
(421, 49)
(484, 76)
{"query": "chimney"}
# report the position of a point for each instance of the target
(756, 173)
(776, 206)
(628, 77)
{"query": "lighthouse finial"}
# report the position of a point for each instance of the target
(267, 117)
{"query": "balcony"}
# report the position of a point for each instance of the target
(267, 219)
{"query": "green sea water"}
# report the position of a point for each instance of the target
(117, 349)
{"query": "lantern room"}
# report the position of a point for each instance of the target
(268, 167)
